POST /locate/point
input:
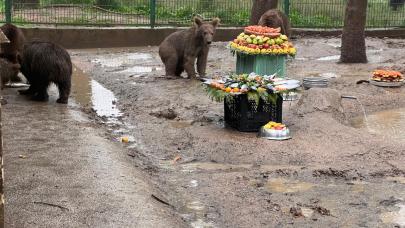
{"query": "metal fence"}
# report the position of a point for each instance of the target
(302, 13)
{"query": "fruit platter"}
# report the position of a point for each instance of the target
(387, 78)
(255, 86)
(261, 40)
(275, 131)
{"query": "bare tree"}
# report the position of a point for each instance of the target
(353, 38)
(259, 7)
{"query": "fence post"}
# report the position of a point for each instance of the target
(287, 7)
(8, 4)
(152, 15)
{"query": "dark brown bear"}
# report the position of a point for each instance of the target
(180, 50)
(7, 71)
(43, 63)
(276, 19)
(12, 50)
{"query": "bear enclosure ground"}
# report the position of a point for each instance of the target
(337, 170)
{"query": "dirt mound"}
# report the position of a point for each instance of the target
(320, 100)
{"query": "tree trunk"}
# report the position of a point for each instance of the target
(259, 7)
(353, 38)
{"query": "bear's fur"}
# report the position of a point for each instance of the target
(12, 50)
(259, 7)
(276, 19)
(43, 63)
(7, 71)
(180, 50)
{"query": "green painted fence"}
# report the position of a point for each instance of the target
(302, 13)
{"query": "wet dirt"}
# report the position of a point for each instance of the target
(62, 171)
(397, 217)
(338, 171)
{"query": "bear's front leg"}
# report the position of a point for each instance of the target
(189, 67)
(202, 62)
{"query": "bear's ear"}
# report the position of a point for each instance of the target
(215, 22)
(198, 21)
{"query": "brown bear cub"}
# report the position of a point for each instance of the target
(180, 50)
(276, 19)
(43, 63)
(7, 71)
(11, 51)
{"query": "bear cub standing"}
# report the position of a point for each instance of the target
(8, 70)
(180, 50)
(43, 63)
(276, 19)
(11, 52)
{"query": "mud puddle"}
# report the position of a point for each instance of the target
(118, 60)
(192, 167)
(287, 186)
(89, 93)
(129, 64)
(195, 212)
(390, 123)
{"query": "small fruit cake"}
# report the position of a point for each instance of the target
(276, 130)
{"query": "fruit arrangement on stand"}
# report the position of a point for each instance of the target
(255, 86)
(387, 76)
(263, 40)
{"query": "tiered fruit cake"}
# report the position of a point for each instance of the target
(261, 40)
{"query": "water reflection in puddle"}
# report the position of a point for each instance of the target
(104, 101)
(390, 123)
(90, 93)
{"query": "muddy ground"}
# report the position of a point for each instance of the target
(329, 174)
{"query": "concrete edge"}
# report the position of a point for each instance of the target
(89, 37)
